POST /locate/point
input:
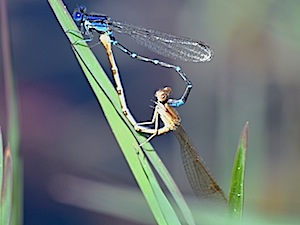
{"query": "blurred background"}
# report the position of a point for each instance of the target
(254, 76)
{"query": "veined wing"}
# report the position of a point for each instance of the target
(168, 45)
(199, 176)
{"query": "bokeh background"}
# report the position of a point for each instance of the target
(254, 76)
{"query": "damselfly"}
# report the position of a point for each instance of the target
(168, 45)
(199, 176)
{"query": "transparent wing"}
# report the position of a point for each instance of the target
(168, 45)
(199, 176)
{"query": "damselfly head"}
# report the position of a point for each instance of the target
(162, 95)
(78, 13)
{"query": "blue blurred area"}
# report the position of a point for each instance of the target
(253, 77)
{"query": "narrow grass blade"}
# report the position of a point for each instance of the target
(170, 214)
(6, 190)
(170, 183)
(236, 195)
(13, 126)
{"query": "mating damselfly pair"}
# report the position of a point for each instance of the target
(171, 46)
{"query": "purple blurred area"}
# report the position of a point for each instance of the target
(254, 76)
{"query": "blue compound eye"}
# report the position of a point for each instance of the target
(77, 16)
(79, 13)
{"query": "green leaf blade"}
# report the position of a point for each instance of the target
(6, 190)
(236, 195)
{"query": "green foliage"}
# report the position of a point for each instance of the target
(236, 195)
(5, 185)
(13, 130)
